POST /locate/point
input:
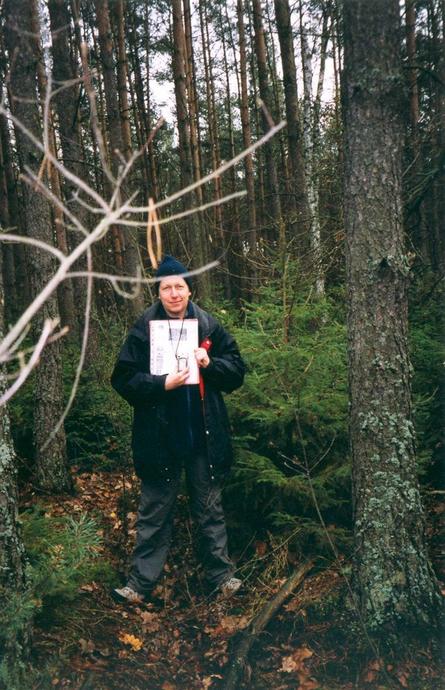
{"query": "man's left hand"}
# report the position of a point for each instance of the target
(202, 357)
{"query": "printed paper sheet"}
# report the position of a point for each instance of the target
(166, 350)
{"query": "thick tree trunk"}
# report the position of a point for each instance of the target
(14, 636)
(51, 462)
(394, 581)
(67, 102)
(65, 290)
(24, 294)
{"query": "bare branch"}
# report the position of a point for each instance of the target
(216, 173)
(9, 237)
(25, 371)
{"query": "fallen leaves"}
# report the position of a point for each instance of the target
(296, 659)
(294, 663)
(228, 625)
(134, 642)
(208, 680)
(150, 621)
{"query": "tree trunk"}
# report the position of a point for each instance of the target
(247, 141)
(273, 198)
(234, 253)
(51, 461)
(65, 290)
(141, 118)
(14, 635)
(412, 71)
(66, 104)
(6, 248)
(195, 243)
(299, 202)
(393, 578)
(116, 141)
(309, 158)
(213, 142)
(132, 251)
(190, 72)
(24, 294)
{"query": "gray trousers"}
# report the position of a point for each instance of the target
(155, 524)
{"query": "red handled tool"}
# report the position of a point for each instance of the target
(206, 344)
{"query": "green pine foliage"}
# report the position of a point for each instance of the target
(290, 417)
(427, 349)
(63, 553)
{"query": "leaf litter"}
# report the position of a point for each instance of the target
(182, 639)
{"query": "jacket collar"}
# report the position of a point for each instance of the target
(156, 311)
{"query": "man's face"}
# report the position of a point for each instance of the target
(174, 294)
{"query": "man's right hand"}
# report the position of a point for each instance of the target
(177, 379)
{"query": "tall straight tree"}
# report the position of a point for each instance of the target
(299, 202)
(247, 140)
(197, 241)
(14, 645)
(116, 133)
(66, 103)
(393, 578)
(50, 450)
(266, 96)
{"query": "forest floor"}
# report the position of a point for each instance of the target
(183, 639)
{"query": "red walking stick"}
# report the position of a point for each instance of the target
(206, 344)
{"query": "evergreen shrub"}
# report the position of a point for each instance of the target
(63, 553)
(427, 351)
(290, 417)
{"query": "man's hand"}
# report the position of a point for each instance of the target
(177, 379)
(202, 357)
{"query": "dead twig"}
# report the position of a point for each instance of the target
(258, 623)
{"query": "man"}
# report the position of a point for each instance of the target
(178, 425)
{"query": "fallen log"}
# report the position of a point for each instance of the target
(257, 625)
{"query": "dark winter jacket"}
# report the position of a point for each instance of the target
(131, 378)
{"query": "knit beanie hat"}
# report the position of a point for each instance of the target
(170, 266)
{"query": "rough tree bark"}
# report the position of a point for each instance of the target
(299, 202)
(274, 210)
(196, 242)
(52, 472)
(66, 104)
(395, 584)
(309, 155)
(114, 129)
(14, 639)
(65, 290)
(247, 140)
